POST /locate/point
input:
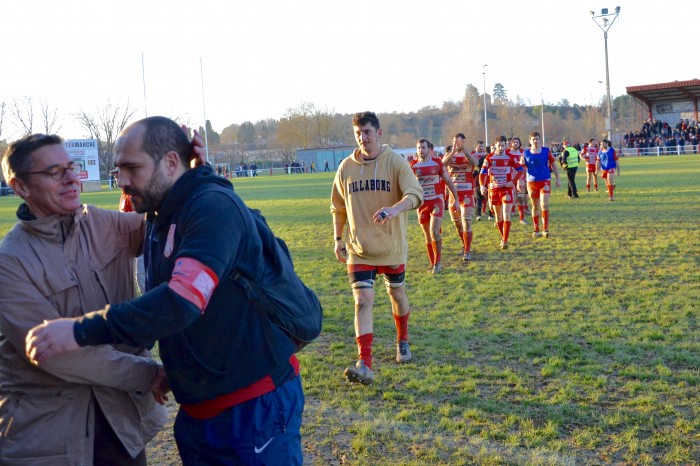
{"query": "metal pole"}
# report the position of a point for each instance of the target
(143, 78)
(486, 118)
(607, 85)
(542, 102)
(604, 22)
(204, 110)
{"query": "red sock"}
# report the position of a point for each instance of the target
(431, 253)
(468, 241)
(506, 230)
(536, 221)
(545, 219)
(401, 326)
(500, 227)
(364, 348)
(437, 250)
(521, 211)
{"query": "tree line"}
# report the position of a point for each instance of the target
(309, 125)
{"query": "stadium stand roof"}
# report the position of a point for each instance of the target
(676, 91)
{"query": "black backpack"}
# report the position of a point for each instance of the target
(278, 293)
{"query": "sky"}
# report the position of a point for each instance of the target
(247, 61)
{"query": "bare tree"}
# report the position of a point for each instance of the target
(325, 122)
(105, 126)
(49, 118)
(295, 130)
(23, 114)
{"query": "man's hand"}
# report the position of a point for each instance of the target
(50, 339)
(199, 150)
(160, 386)
(341, 252)
(384, 214)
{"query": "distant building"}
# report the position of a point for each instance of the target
(334, 155)
(669, 101)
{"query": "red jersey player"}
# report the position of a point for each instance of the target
(497, 174)
(482, 203)
(590, 155)
(431, 176)
(521, 186)
(460, 164)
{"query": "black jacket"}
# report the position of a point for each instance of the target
(225, 347)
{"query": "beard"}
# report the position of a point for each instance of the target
(150, 198)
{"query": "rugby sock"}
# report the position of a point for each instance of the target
(506, 230)
(431, 253)
(545, 219)
(468, 235)
(401, 326)
(437, 249)
(364, 348)
(536, 221)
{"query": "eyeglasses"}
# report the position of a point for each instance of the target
(57, 172)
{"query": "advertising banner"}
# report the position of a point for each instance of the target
(84, 153)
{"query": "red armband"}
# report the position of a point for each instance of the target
(193, 281)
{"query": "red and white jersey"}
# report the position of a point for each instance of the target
(516, 154)
(590, 154)
(500, 170)
(461, 172)
(429, 173)
(478, 155)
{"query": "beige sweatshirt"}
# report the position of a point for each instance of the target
(360, 189)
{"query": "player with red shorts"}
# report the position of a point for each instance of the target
(609, 165)
(431, 176)
(539, 161)
(497, 173)
(521, 186)
(590, 155)
(460, 164)
(482, 202)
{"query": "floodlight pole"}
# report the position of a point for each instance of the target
(542, 102)
(486, 118)
(605, 23)
(143, 79)
(204, 111)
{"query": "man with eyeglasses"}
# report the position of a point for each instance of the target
(98, 405)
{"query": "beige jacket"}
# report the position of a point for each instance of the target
(47, 413)
(360, 189)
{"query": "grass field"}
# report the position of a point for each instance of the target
(583, 348)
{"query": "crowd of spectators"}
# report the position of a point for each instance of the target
(295, 167)
(667, 137)
(240, 171)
